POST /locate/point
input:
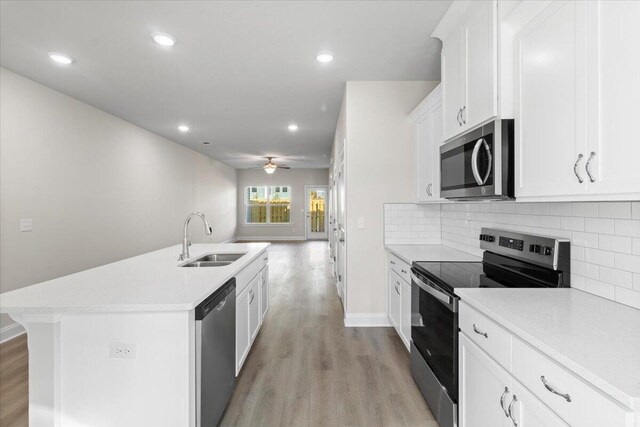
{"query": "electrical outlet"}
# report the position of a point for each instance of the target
(26, 225)
(120, 350)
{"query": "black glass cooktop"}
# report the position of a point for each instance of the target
(495, 271)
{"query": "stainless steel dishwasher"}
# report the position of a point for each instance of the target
(215, 354)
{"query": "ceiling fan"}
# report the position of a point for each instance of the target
(271, 167)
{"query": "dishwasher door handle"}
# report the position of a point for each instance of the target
(221, 305)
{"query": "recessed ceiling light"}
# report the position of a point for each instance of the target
(60, 58)
(183, 128)
(163, 39)
(293, 127)
(324, 57)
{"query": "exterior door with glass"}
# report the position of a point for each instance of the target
(316, 211)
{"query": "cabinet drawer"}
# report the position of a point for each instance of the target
(491, 337)
(401, 268)
(246, 275)
(587, 406)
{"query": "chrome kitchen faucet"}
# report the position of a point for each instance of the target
(185, 238)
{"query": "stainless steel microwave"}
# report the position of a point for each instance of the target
(479, 164)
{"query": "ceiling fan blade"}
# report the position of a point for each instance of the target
(284, 167)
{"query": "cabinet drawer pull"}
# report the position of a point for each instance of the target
(513, 402)
(404, 271)
(506, 391)
(479, 332)
(575, 169)
(552, 390)
(588, 166)
(393, 263)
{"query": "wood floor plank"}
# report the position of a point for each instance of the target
(304, 369)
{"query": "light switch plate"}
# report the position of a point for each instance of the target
(26, 225)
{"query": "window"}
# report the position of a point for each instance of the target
(268, 205)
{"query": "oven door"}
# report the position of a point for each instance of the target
(434, 331)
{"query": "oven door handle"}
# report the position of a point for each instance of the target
(441, 296)
(474, 161)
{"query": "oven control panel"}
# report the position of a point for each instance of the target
(515, 244)
(543, 250)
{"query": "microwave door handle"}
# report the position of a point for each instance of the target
(489, 160)
(474, 162)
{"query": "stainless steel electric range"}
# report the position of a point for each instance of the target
(510, 260)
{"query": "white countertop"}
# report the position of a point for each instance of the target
(597, 339)
(410, 253)
(148, 282)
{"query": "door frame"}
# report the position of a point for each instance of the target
(307, 216)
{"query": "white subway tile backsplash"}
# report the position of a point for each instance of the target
(587, 210)
(600, 288)
(616, 277)
(627, 262)
(605, 236)
(615, 210)
(599, 225)
(628, 297)
(627, 227)
(615, 243)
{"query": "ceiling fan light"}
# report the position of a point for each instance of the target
(270, 168)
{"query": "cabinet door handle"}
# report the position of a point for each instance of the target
(588, 166)
(575, 168)
(513, 402)
(251, 295)
(506, 391)
(458, 117)
(464, 121)
(554, 391)
(398, 287)
(479, 332)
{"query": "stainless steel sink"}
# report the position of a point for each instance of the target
(214, 260)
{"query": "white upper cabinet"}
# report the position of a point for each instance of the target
(576, 92)
(614, 81)
(452, 84)
(480, 64)
(469, 34)
(429, 122)
(550, 102)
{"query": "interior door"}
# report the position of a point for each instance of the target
(316, 212)
(550, 104)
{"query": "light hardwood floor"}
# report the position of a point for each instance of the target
(305, 368)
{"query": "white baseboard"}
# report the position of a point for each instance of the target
(270, 238)
(10, 332)
(366, 320)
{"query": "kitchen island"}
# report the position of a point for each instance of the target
(78, 325)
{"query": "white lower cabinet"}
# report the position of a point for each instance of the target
(252, 302)
(394, 284)
(254, 307)
(531, 391)
(399, 297)
(484, 388)
(405, 313)
(242, 328)
(264, 291)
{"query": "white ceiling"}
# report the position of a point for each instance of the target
(240, 72)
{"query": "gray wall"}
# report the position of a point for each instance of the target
(98, 188)
(297, 179)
